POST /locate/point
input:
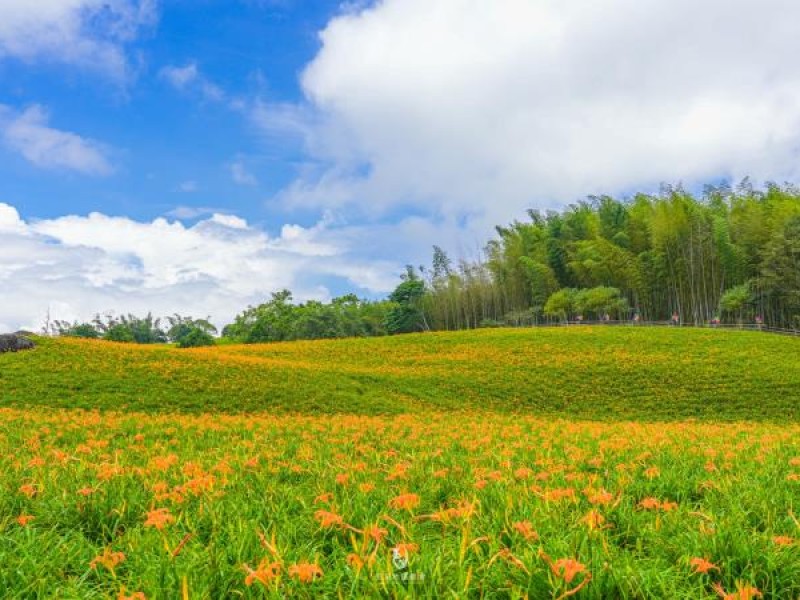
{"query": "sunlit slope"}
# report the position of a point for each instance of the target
(588, 372)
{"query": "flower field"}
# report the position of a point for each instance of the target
(564, 463)
(606, 373)
(430, 505)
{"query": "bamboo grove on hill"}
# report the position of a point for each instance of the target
(732, 254)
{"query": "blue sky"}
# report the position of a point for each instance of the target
(194, 156)
(161, 137)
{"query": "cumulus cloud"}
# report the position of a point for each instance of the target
(90, 34)
(30, 134)
(81, 265)
(478, 110)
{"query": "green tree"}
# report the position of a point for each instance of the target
(195, 338)
(561, 304)
(406, 314)
(735, 301)
(599, 301)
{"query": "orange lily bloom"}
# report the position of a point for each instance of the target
(305, 572)
(525, 529)
(264, 573)
(159, 518)
(23, 520)
(701, 565)
(328, 519)
(404, 502)
(109, 559)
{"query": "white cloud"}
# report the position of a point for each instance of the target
(192, 212)
(231, 221)
(241, 176)
(90, 34)
(479, 110)
(29, 134)
(81, 265)
(180, 77)
(10, 221)
(189, 78)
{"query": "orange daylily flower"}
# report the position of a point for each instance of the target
(355, 561)
(656, 504)
(376, 533)
(523, 473)
(159, 518)
(743, 592)
(652, 472)
(265, 572)
(305, 572)
(701, 565)
(650, 504)
(23, 520)
(405, 548)
(109, 559)
(29, 489)
(783, 540)
(559, 494)
(404, 502)
(601, 497)
(525, 529)
(567, 568)
(593, 520)
(328, 519)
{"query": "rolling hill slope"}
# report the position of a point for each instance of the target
(583, 372)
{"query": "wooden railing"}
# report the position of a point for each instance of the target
(729, 326)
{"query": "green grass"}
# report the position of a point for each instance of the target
(589, 373)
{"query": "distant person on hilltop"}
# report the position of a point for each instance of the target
(676, 319)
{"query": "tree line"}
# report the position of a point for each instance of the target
(727, 254)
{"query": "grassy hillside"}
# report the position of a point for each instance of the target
(595, 373)
(484, 502)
